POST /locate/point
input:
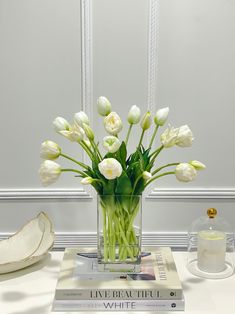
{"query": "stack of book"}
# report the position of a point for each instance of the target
(81, 287)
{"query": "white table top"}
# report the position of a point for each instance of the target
(31, 291)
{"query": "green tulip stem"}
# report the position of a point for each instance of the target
(96, 150)
(141, 139)
(159, 176)
(135, 184)
(74, 160)
(153, 136)
(168, 165)
(128, 133)
(156, 153)
(87, 149)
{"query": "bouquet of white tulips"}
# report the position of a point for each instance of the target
(113, 174)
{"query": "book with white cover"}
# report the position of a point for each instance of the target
(119, 305)
(79, 278)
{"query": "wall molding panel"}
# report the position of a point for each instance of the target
(155, 194)
(191, 194)
(176, 240)
(35, 194)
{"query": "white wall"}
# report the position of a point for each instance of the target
(40, 78)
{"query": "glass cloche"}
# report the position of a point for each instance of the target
(211, 247)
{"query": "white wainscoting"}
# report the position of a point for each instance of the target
(181, 56)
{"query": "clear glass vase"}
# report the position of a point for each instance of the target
(119, 230)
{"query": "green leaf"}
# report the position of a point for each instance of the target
(121, 155)
(109, 187)
(124, 186)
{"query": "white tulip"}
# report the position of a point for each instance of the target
(61, 124)
(197, 164)
(185, 172)
(87, 180)
(185, 137)
(146, 121)
(111, 143)
(88, 143)
(134, 115)
(161, 116)
(49, 172)
(103, 106)
(113, 123)
(88, 131)
(50, 150)
(74, 134)
(147, 175)
(110, 168)
(80, 118)
(169, 137)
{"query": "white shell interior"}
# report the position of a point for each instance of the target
(28, 245)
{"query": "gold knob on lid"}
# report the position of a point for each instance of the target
(211, 212)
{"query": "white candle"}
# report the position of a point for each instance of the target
(211, 251)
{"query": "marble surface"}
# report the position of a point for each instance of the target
(31, 291)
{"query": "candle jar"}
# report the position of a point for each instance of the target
(211, 247)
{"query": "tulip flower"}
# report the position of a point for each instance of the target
(197, 164)
(50, 150)
(161, 116)
(134, 115)
(113, 123)
(88, 131)
(185, 137)
(87, 180)
(146, 121)
(74, 134)
(169, 137)
(49, 172)
(61, 124)
(111, 143)
(110, 168)
(87, 143)
(147, 175)
(103, 106)
(80, 118)
(185, 172)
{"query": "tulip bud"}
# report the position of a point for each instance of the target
(146, 121)
(134, 115)
(88, 143)
(161, 116)
(103, 106)
(80, 118)
(88, 131)
(87, 180)
(147, 175)
(61, 124)
(50, 150)
(197, 164)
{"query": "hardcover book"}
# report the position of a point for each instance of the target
(80, 282)
(119, 305)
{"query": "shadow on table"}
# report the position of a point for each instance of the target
(188, 283)
(46, 262)
(41, 309)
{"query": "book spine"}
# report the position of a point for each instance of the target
(114, 305)
(123, 294)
